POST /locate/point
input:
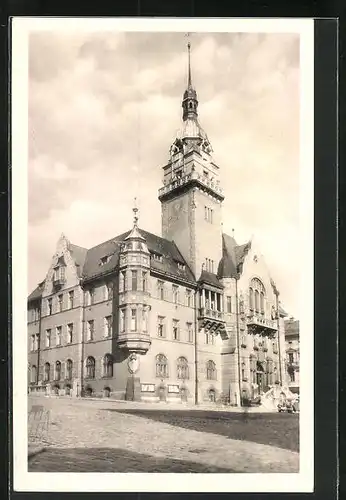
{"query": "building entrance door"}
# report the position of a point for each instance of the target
(162, 393)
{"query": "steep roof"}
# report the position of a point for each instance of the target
(78, 255)
(233, 256)
(168, 251)
(210, 279)
(37, 293)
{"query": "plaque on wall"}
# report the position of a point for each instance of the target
(147, 388)
(173, 388)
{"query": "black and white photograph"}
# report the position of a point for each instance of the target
(163, 220)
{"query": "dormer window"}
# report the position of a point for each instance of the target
(156, 256)
(104, 260)
(181, 266)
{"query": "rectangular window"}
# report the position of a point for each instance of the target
(144, 320)
(188, 298)
(290, 357)
(108, 326)
(134, 280)
(189, 332)
(208, 214)
(58, 335)
(122, 319)
(37, 341)
(90, 297)
(161, 326)
(160, 289)
(229, 304)
(90, 330)
(122, 284)
(175, 329)
(50, 306)
(144, 281)
(70, 299)
(60, 298)
(62, 272)
(175, 289)
(207, 337)
(48, 337)
(133, 320)
(70, 333)
(32, 347)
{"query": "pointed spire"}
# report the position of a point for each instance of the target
(189, 63)
(134, 233)
(135, 213)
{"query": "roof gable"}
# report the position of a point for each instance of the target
(233, 256)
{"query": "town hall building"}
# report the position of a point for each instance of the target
(190, 315)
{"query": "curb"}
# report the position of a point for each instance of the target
(36, 451)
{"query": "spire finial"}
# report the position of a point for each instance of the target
(189, 59)
(135, 213)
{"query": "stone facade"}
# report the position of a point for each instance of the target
(190, 316)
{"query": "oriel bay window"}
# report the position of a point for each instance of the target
(122, 281)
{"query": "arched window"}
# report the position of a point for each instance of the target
(243, 366)
(69, 367)
(46, 372)
(57, 370)
(161, 366)
(33, 374)
(251, 298)
(262, 302)
(257, 295)
(211, 370)
(183, 368)
(108, 365)
(90, 367)
(256, 300)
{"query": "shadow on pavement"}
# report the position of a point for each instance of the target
(111, 460)
(275, 429)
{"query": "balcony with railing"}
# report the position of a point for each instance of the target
(258, 324)
(195, 178)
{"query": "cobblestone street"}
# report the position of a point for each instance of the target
(109, 436)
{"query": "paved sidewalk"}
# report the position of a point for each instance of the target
(85, 424)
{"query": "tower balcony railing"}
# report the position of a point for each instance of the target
(180, 181)
(206, 312)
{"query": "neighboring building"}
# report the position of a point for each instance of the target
(189, 316)
(292, 353)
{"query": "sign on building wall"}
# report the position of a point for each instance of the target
(147, 388)
(173, 388)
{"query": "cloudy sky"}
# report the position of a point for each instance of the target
(104, 109)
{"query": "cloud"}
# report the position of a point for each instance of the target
(104, 109)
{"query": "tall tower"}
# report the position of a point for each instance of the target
(191, 195)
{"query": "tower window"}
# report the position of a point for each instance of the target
(208, 214)
(133, 320)
(134, 280)
(209, 265)
(229, 304)
(60, 298)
